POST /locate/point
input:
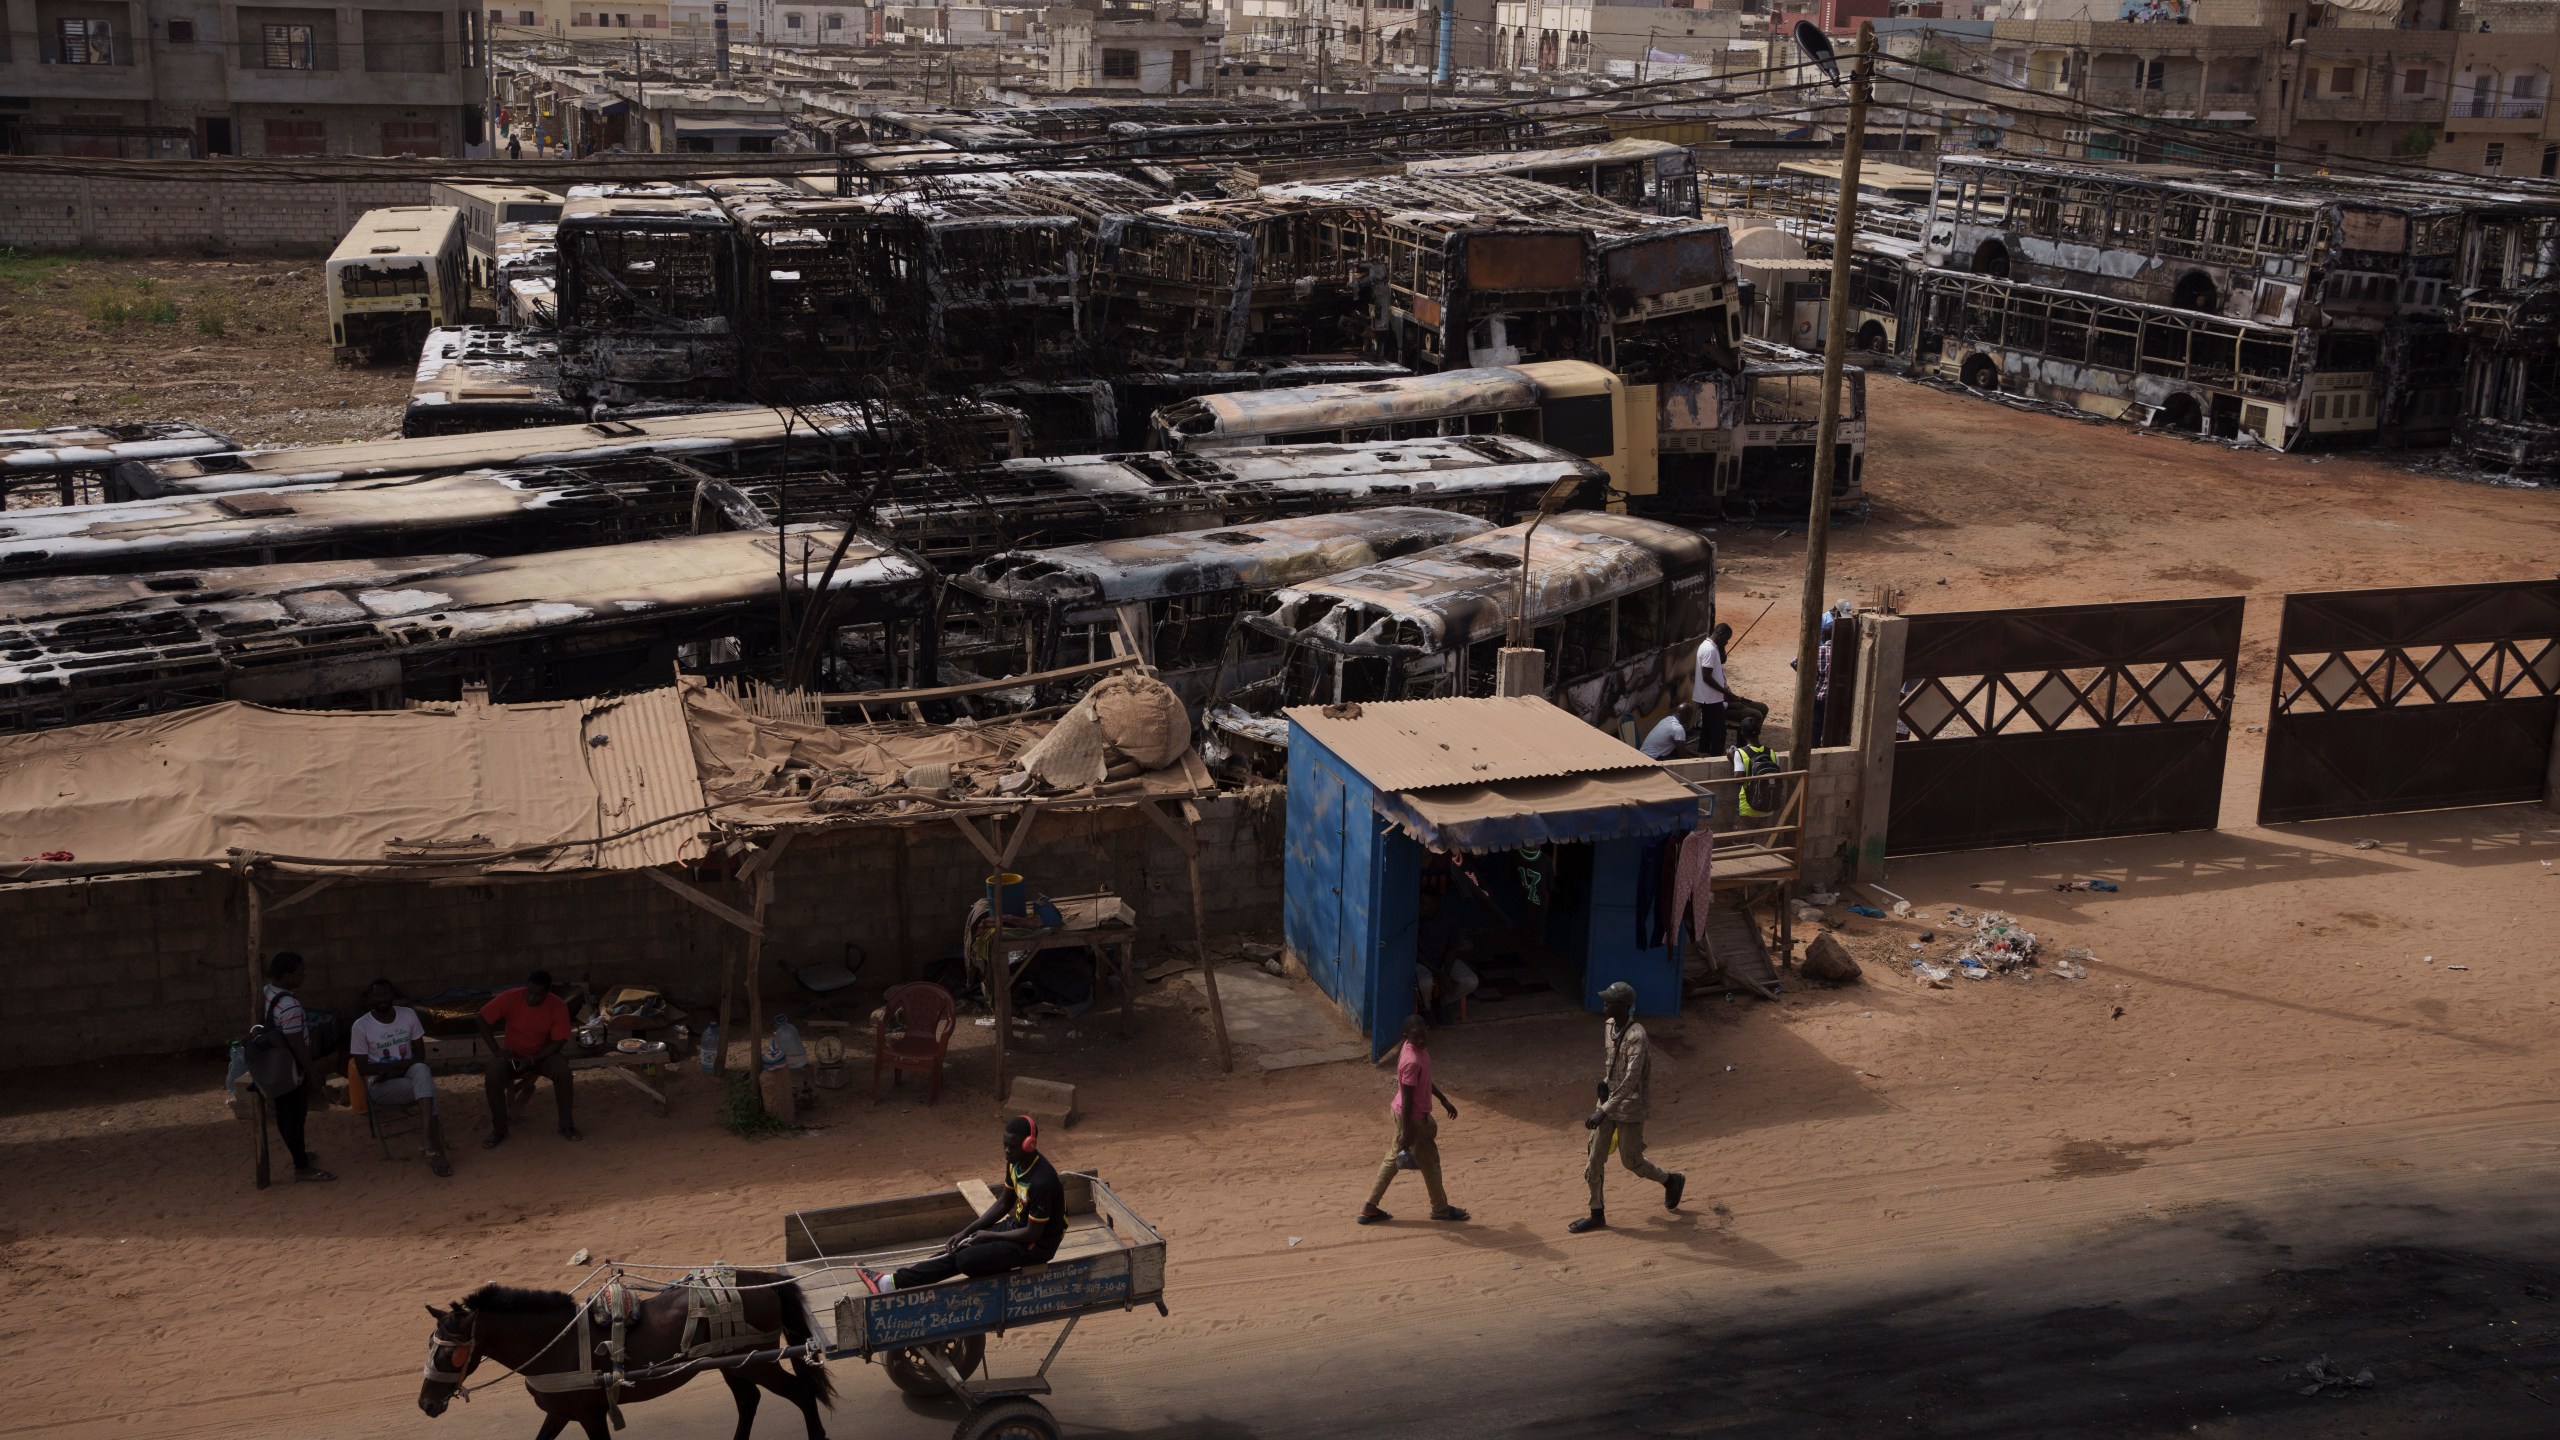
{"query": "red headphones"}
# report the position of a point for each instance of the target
(1031, 1142)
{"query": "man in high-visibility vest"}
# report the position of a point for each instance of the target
(1750, 757)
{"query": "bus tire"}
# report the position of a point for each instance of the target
(1981, 372)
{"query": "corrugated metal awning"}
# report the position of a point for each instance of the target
(1549, 810)
(1419, 744)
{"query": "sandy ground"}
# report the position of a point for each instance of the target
(240, 344)
(2276, 1120)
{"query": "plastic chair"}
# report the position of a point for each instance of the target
(379, 1117)
(825, 980)
(924, 1015)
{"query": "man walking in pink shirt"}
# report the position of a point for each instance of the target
(1416, 1134)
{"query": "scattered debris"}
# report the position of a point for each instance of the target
(580, 1258)
(2325, 1376)
(2368, 844)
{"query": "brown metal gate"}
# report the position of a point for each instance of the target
(2415, 699)
(2065, 723)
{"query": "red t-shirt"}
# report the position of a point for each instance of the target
(528, 1026)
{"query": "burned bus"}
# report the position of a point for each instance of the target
(477, 377)
(380, 633)
(1175, 600)
(647, 293)
(1654, 176)
(1617, 603)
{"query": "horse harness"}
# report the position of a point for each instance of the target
(715, 1324)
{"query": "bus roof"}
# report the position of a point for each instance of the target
(536, 445)
(1260, 556)
(406, 232)
(1467, 591)
(1875, 177)
(1523, 162)
(1362, 404)
(502, 194)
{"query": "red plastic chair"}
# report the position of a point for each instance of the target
(926, 1014)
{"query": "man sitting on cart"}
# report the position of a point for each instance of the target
(1023, 1226)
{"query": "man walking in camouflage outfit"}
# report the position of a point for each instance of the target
(1626, 1093)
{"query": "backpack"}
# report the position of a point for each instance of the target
(1759, 796)
(270, 1059)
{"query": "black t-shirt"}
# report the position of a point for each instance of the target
(1040, 1202)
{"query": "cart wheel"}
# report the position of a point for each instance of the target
(1008, 1420)
(909, 1372)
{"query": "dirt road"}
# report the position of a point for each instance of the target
(2302, 1104)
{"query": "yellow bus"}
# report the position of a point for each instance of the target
(486, 207)
(397, 275)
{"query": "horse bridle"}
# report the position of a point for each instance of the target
(451, 1358)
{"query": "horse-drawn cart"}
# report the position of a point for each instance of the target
(932, 1339)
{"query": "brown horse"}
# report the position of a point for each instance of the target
(535, 1333)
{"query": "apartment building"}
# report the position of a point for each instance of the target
(579, 20)
(169, 79)
(1131, 51)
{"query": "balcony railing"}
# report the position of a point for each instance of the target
(2490, 107)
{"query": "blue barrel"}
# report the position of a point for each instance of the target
(1006, 894)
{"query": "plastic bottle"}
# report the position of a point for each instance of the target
(711, 1047)
(783, 1049)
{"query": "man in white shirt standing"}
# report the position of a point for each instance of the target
(1709, 692)
(389, 1046)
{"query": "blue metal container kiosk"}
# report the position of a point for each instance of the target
(1375, 789)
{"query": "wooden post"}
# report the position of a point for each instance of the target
(765, 1081)
(1826, 453)
(257, 944)
(1186, 838)
(1000, 992)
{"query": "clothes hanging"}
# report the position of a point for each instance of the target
(1692, 892)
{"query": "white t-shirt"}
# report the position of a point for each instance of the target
(386, 1041)
(1706, 686)
(1667, 736)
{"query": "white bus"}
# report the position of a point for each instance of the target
(486, 207)
(397, 275)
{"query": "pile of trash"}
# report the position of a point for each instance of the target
(1997, 945)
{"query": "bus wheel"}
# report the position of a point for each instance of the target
(2181, 412)
(1981, 373)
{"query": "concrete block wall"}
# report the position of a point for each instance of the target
(62, 213)
(150, 966)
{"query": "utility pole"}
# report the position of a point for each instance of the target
(1835, 349)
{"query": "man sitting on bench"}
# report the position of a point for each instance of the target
(1023, 1226)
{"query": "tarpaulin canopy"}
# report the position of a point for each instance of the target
(574, 785)
(1549, 810)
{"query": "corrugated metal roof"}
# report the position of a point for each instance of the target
(1419, 744)
(639, 752)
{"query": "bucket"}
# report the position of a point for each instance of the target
(1005, 895)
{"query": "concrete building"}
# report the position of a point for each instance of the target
(2498, 118)
(579, 20)
(1133, 52)
(169, 79)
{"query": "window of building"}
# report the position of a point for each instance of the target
(288, 47)
(2525, 86)
(2342, 81)
(835, 22)
(2493, 157)
(1181, 67)
(790, 22)
(623, 21)
(584, 17)
(296, 137)
(412, 137)
(648, 22)
(182, 32)
(525, 17)
(2550, 161)
(1119, 64)
(84, 42)
(2413, 82)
